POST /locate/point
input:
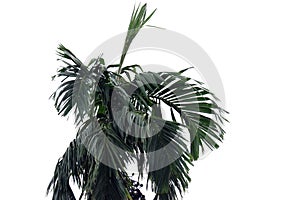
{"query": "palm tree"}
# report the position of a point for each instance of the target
(191, 106)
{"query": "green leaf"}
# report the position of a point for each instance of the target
(137, 21)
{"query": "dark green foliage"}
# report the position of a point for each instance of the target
(96, 92)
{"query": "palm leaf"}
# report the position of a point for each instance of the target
(77, 86)
(196, 105)
(137, 21)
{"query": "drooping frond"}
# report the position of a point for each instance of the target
(195, 104)
(76, 163)
(105, 144)
(78, 84)
(166, 182)
(96, 180)
(199, 113)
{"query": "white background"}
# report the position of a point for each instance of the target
(254, 44)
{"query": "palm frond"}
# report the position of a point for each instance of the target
(105, 144)
(138, 19)
(171, 146)
(166, 182)
(78, 84)
(96, 180)
(76, 163)
(196, 105)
